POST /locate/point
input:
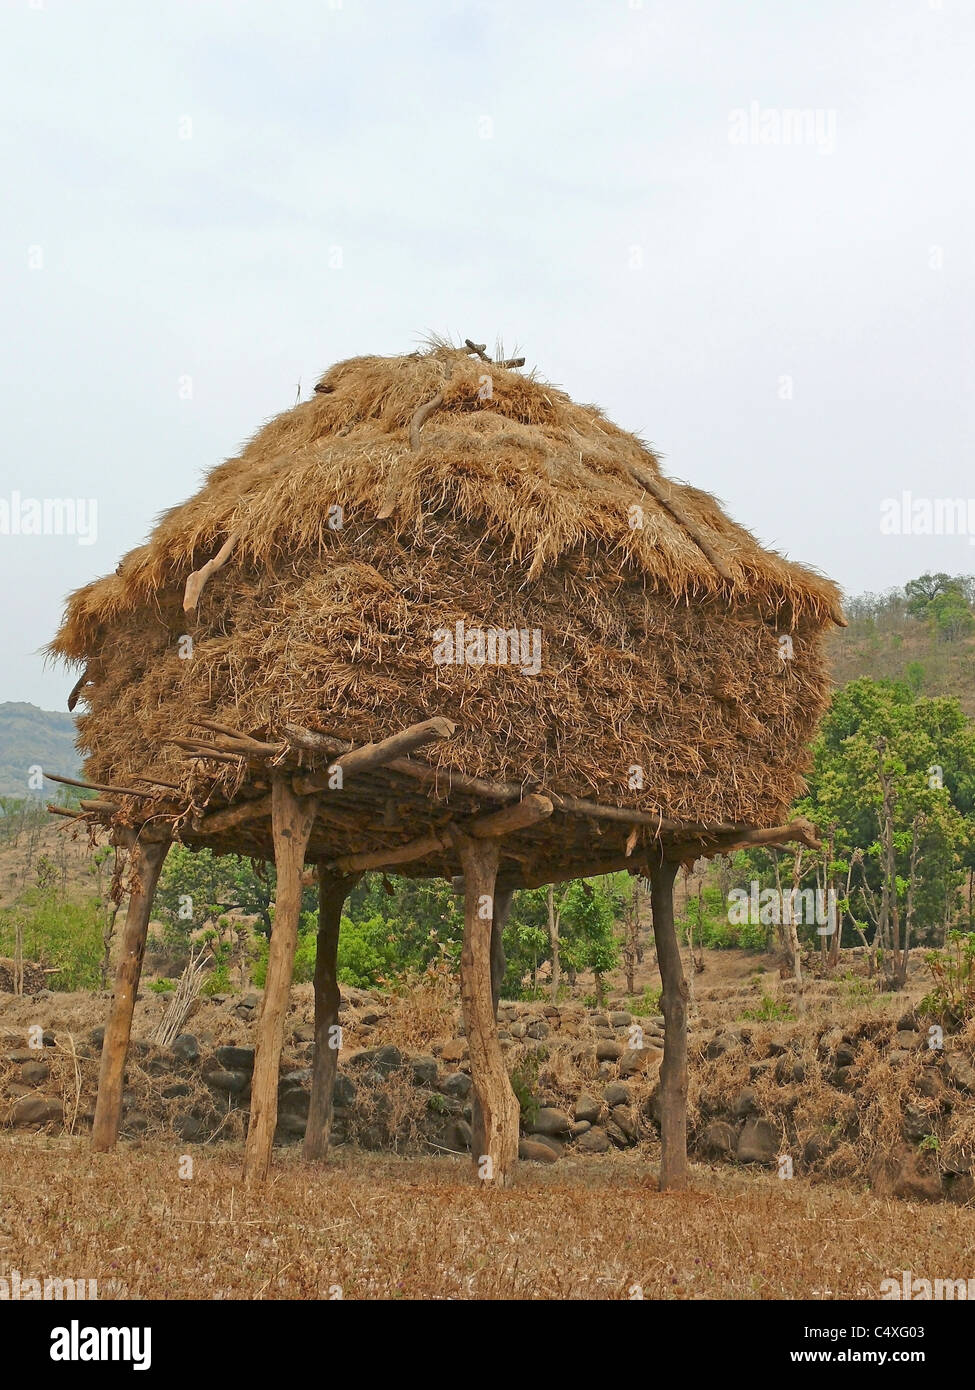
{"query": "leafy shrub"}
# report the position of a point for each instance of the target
(768, 1011)
(647, 1003)
(524, 1080)
(60, 933)
(953, 998)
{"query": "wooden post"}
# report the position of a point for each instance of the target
(673, 1069)
(496, 1150)
(146, 858)
(332, 893)
(502, 906)
(291, 821)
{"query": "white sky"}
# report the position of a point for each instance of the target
(487, 169)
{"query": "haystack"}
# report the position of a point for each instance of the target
(439, 612)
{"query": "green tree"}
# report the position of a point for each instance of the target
(928, 759)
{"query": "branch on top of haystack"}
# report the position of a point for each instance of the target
(671, 505)
(480, 349)
(421, 413)
(77, 688)
(196, 582)
(516, 817)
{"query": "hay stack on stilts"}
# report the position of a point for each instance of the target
(439, 618)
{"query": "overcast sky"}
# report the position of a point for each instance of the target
(242, 193)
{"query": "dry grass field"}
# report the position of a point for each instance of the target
(378, 1227)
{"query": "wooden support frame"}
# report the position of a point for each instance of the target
(518, 816)
(146, 857)
(673, 1003)
(489, 789)
(332, 893)
(292, 819)
(496, 1151)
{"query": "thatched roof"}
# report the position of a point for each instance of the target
(504, 505)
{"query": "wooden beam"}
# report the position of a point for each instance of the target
(498, 1111)
(100, 808)
(146, 858)
(372, 755)
(516, 817)
(542, 875)
(232, 741)
(238, 814)
(332, 893)
(799, 831)
(196, 748)
(292, 820)
(100, 787)
(673, 1004)
(574, 805)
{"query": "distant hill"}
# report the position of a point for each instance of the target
(30, 736)
(883, 641)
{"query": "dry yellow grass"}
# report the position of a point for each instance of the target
(380, 1227)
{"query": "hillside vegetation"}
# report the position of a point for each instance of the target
(923, 635)
(32, 738)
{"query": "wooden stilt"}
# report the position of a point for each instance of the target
(332, 893)
(146, 858)
(673, 1002)
(291, 819)
(495, 1153)
(502, 906)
